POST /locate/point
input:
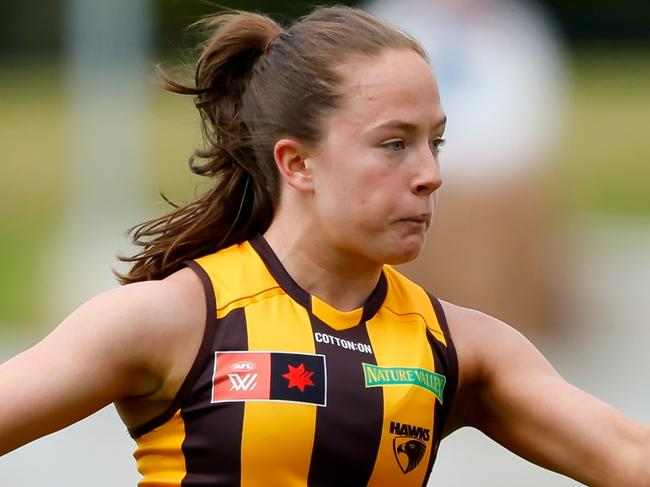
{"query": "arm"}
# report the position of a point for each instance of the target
(508, 390)
(115, 346)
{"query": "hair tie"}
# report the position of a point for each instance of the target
(271, 42)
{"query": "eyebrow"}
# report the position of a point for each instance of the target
(406, 126)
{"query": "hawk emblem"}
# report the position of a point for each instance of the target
(408, 452)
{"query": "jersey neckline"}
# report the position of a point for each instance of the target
(339, 320)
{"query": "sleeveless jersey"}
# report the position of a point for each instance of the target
(288, 391)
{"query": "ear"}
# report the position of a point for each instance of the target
(290, 157)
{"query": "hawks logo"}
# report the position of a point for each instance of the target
(410, 445)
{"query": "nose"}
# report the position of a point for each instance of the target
(428, 177)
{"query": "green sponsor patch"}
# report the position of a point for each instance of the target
(392, 376)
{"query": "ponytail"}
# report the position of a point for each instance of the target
(242, 201)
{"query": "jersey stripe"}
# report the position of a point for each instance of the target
(439, 413)
(277, 436)
(199, 361)
(215, 462)
(402, 346)
(159, 458)
(339, 457)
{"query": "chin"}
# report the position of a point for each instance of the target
(399, 260)
(403, 255)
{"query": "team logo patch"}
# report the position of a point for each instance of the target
(269, 376)
(409, 444)
(391, 376)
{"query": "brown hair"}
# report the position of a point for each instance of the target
(254, 84)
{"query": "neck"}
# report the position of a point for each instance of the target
(342, 280)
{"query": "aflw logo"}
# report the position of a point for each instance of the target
(242, 383)
(240, 376)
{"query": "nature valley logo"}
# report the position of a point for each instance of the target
(376, 376)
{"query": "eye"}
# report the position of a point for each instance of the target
(394, 145)
(436, 144)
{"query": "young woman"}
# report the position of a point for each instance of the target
(262, 338)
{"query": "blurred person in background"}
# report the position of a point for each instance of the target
(262, 336)
(495, 246)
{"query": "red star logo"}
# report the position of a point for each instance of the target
(299, 377)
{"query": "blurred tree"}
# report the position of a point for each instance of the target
(31, 28)
(36, 27)
(174, 17)
(606, 20)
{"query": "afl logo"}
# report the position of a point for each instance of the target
(242, 366)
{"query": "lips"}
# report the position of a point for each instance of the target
(422, 219)
(418, 219)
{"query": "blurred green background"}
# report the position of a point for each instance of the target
(604, 161)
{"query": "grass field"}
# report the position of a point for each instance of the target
(605, 167)
(607, 164)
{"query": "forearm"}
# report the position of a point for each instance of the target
(570, 432)
(34, 402)
(633, 458)
(512, 394)
(571, 448)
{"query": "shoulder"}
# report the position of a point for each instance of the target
(169, 303)
(484, 343)
(469, 331)
(150, 306)
(468, 327)
(169, 317)
(140, 330)
(129, 342)
(480, 337)
(492, 356)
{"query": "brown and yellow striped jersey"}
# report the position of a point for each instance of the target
(287, 391)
